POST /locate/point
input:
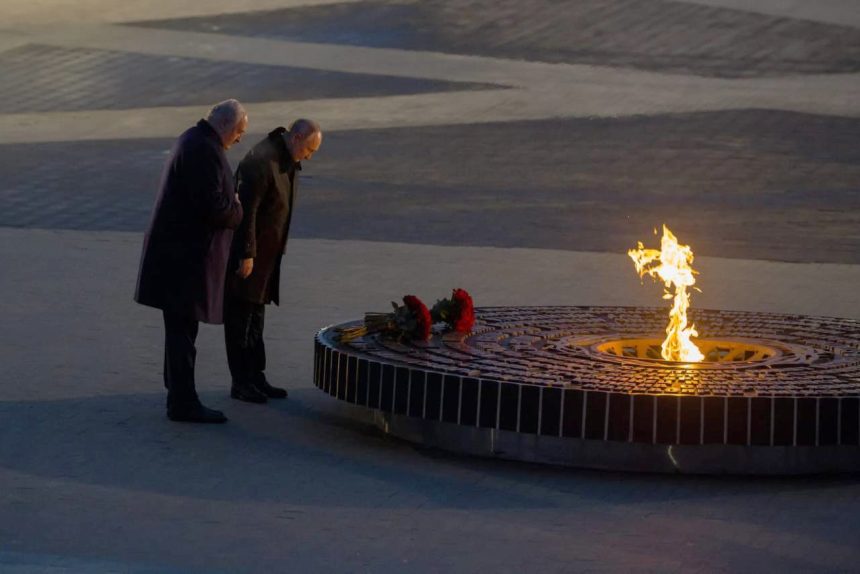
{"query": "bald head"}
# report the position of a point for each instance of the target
(303, 139)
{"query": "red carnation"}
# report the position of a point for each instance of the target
(464, 317)
(413, 321)
(458, 312)
(420, 321)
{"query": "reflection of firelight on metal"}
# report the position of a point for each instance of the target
(713, 351)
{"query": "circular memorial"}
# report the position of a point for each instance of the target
(587, 387)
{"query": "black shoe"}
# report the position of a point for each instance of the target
(195, 413)
(262, 385)
(247, 392)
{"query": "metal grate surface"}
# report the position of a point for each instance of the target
(556, 347)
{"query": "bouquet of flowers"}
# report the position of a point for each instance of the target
(458, 312)
(410, 321)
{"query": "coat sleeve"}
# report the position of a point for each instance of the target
(217, 204)
(251, 185)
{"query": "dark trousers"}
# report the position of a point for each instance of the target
(243, 336)
(179, 357)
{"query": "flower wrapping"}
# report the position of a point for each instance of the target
(410, 321)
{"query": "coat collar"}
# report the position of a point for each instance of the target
(286, 164)
(210, 132)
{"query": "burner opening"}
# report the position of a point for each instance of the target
(715, 351)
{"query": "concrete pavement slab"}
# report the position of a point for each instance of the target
(95, 477)
(74, 79)
(627, 33)
(57, 354)
(38, 12)
(840, 12)
(749, 184)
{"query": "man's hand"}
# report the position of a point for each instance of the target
(245, 268)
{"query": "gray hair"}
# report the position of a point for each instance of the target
(304, 127)
(224, 116)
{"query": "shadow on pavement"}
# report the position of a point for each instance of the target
(306, 450)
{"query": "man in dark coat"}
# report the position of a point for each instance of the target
(186, 248)
(267, 181)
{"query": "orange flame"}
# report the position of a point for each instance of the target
(672, 264)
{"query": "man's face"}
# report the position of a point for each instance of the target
(305, 148)
(235, 136)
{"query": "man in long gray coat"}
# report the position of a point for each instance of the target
(267, 181)
(185, 250)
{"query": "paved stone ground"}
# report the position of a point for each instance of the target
(96, 480)
(588, 184)
(646, 34)
(85, 79)
(513, 149)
